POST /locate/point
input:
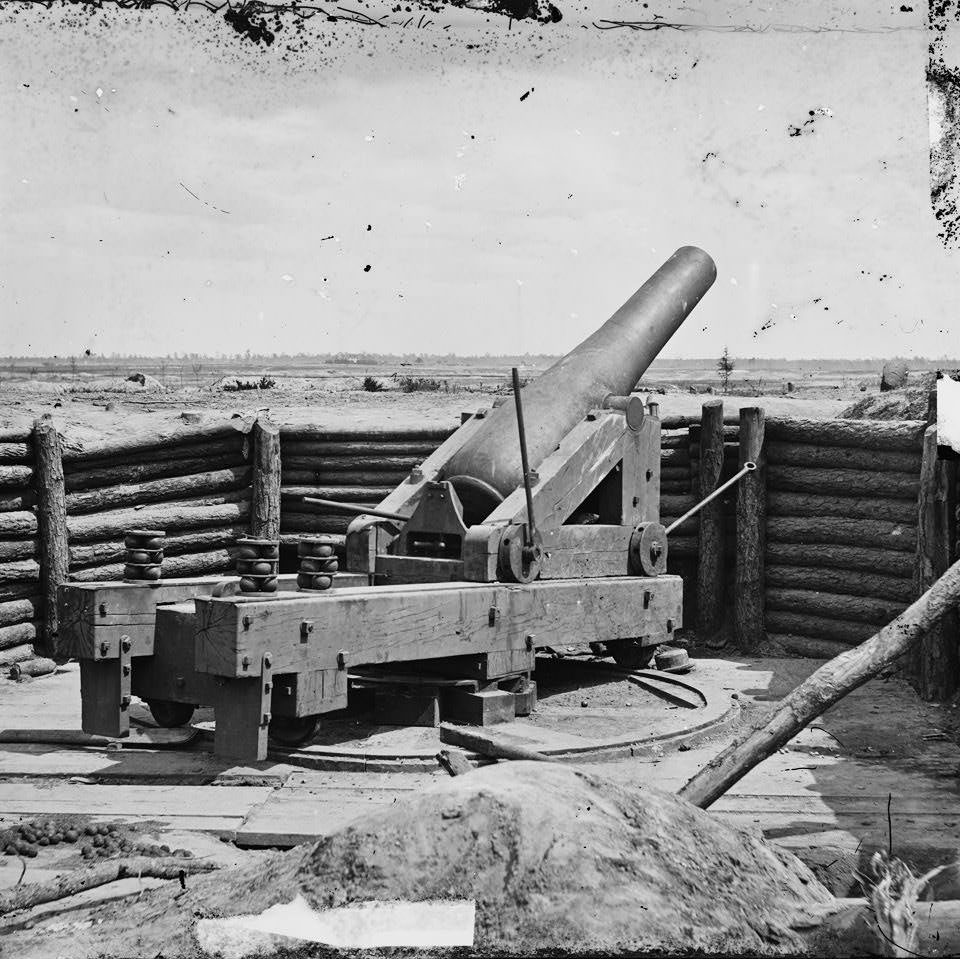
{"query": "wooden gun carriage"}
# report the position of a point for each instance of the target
(533, 525)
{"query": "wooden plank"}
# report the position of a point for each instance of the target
(710, 567)
(265, 498)
(586, 551)
(395, 623)
(642, 462)
(568, 475)
(395, 570)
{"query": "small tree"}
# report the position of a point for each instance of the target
(725, 367)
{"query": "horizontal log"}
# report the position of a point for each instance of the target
(806, 646)
(160, 438)
(193, 564)
(668, 473)
(318, 449)
(126, 472)
(16, 654)
(347, 494)
(20, 571)
(17, 611)
(17, 635)
(842, 532)
(16, 434)
(160, 490)
(195, 514)
(314, 522)
(16, 476)
(14, 549)
(676, 439)
(14, 591)
(295, 476)
(676, 421)
(819, 627)
(887, 561)
(863, 434)
(674, 457)
(730, 433)
(674, 488)
(842, 457)
(783, 503)
(16, 453)
(18, 523)
(801, 479)
(352, 464)
(860, 609)
(384, 433)
(17, 499)
(676, 505)
(192, 541)
(851, 582)
(682, 546)
(338, 540)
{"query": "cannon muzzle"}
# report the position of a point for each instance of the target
(611, 360)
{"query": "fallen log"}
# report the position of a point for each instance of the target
(807, 646)
(38, 666)
(18, 523)
(16, 452)
(226, 509)
(294, 475)
(782, 503)
(893, 562)
(20, 571)
(849, 582)
(842, 532)
(12, 636)
(16, 611)
(802, 479)
(804, 624)
(158, 491)
(159, 439)
(79, 880)
(16, 475)
(862, 434)
(195, 564)
(843, 457)
(822, 689)
(125, 472)
(18, 549)
(16, 654)
(17, 499)
(192, 541)
(860, 609)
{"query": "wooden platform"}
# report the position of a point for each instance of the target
(824, 797)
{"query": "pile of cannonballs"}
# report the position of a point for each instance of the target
(96, 841)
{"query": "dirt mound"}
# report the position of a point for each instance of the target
(555, 857)
(906, 404)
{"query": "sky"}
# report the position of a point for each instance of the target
(472, 186)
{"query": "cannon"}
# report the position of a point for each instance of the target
(535, 524)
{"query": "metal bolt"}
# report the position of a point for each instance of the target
(181, 681)
(124, 702)
(103, 609)
(266, 688)
(669, 625)
(342, 659)
(266, 719)
(416, 474)
(529, 641)
(267, 661)
(125, 643)
(245, 662)
(247, 621)
(306, 628)
(493, 616)
(125, 670)
(636, 501)
(104, 648)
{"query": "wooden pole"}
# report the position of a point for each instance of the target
(751, 533)
(710, 556)
(938, 657)
(52, 523)
(265, 508)
(829, 684)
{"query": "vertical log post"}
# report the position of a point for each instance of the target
(265, 505)
(52, 524)
(710, 551)
(938, 657)
(751, 533)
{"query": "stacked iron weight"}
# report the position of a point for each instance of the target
(258, 562)
(318, 563)
(144, 554)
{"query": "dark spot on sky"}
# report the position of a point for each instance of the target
(367, 268)
(525, 95)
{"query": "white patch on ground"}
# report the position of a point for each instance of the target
(368, 925)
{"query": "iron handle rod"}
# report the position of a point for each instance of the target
(524, 462)
(748, 467)
(353, 508)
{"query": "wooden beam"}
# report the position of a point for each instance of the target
(710, 566)
(751, 533)
(265, 501)
(397, 623)
(642, 462)
(52, 521)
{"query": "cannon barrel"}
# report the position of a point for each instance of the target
(611, 360)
